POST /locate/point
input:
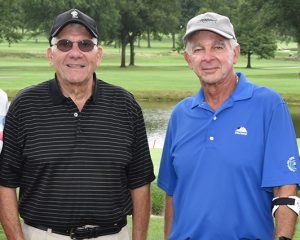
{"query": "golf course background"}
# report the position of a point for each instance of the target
(160, 74)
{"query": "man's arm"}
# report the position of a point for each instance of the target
(9, 214)
(169, 211)
(141, 212)
(285, 218)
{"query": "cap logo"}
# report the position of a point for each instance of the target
(207, 20)
(74, 14)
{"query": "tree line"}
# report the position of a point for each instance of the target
(258, 23)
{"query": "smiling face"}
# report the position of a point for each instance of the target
(74, 67)
(211, 57)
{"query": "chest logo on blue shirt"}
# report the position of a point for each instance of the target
(291, 164)
(241, 131)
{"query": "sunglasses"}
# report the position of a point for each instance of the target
(66, 45)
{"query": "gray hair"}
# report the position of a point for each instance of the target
(233, 43)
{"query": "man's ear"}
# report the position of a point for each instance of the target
(50, 55)
(99, 56)
(187, 59)
(236, 56)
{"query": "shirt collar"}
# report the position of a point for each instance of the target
(243, 90)
(59, 98)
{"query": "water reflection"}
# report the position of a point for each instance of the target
(157, 115)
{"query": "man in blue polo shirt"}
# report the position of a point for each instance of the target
(230, 157)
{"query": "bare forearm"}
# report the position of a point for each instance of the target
(285, 222)
(141, 212)
(285, 218)
(9, 215)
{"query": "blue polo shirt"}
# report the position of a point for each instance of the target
(220, 167)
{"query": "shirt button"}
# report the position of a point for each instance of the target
(215, 118)
(211, 138)
(76, 114)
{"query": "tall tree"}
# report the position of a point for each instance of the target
(39, 14)
(162, 16)
(253, 35)
(130, 26)
(106, 15)
(224, 7)
(11, 22)
(170, 21)
(140, 16)
(188, 9)
(284, 16)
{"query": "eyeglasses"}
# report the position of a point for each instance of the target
(66, 45)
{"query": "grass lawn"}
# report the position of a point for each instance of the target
(159, 71)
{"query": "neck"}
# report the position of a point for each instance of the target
(79, 93)
(216, 94)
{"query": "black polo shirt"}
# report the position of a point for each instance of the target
(75, 167)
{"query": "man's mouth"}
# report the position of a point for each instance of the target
(75, 65)
(209, 69)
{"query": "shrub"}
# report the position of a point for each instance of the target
(158, 199)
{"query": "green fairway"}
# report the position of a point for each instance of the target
(160, 73)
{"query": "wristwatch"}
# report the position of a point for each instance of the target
(283, 238)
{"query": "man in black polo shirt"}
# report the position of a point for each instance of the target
(76, 147)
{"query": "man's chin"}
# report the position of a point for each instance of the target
(210, 80)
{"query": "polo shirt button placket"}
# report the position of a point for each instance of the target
(76, 115)
(211, 138)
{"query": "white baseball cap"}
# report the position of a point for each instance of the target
(211, 22)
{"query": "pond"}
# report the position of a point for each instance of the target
(157, 115)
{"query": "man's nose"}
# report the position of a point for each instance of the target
(208, 54)
(75, 49)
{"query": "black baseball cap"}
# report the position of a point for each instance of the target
(73, 16)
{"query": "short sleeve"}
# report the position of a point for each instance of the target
(140, 170)
(167, 177)
(281, 158)
(11, 159)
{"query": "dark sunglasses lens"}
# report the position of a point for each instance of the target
(64, 45)
(86, 45)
